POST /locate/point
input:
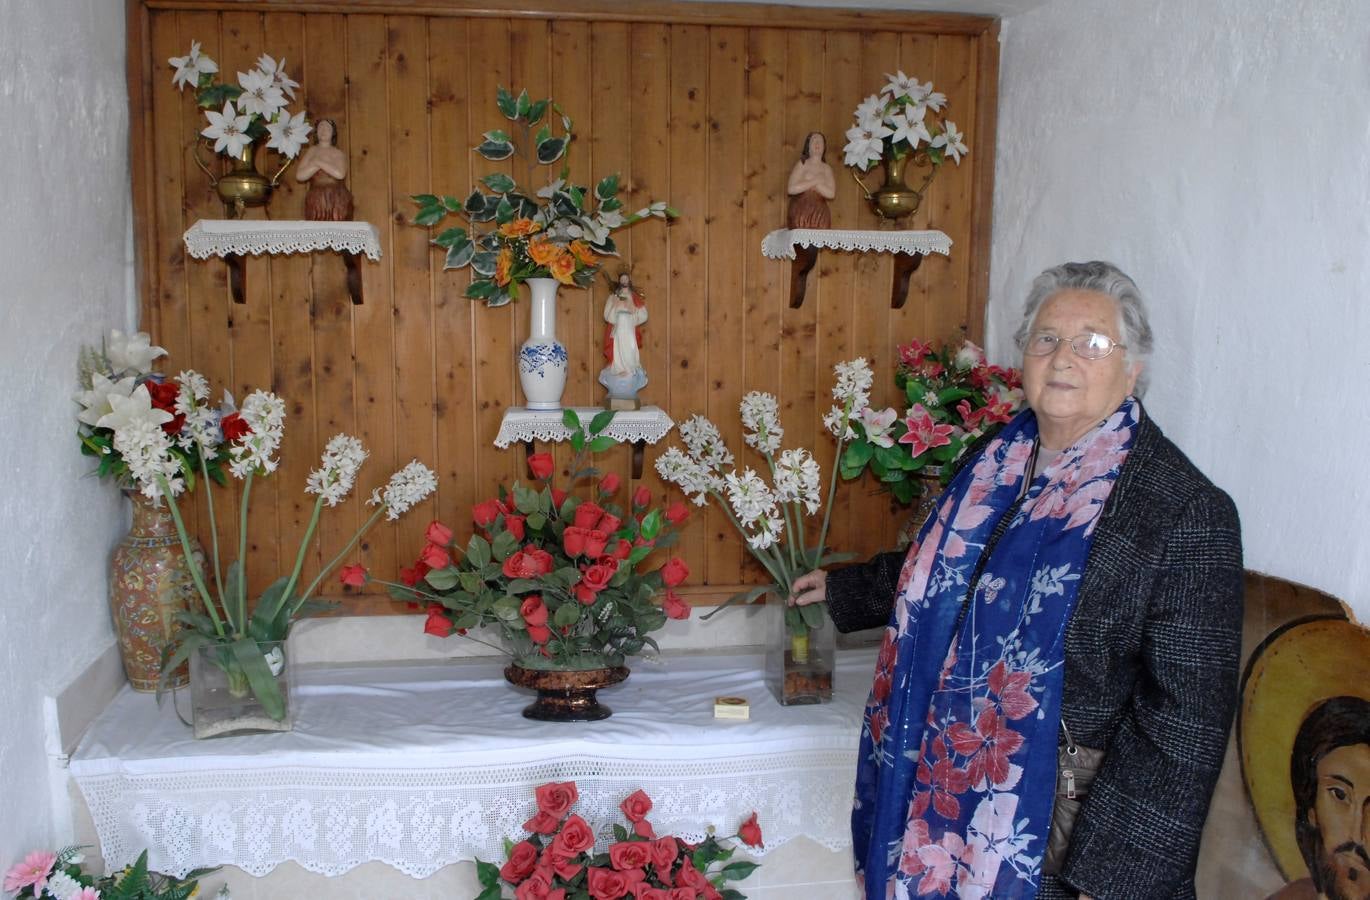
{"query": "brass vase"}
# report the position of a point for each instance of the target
(242, 186)
(895, 199)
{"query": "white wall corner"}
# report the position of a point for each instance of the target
(66, 716)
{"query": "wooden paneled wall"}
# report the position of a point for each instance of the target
(704, 105)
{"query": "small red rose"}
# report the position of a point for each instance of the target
(540, 634)
(674, 606)
(608, 524)
(642, 497)
(573, 540)
(542, 823)
(664, 852)
(530, 562)
(353, 575)
(534, 611)
(541, 465)
(538, 886)
(435, 557)
(609, 483)
(587, 515)
(630, 854)
(557, 797)
(677, 512)
(595, 540)
(750, 832)
(636, 806)
(523, 856)
(515, 526)
(674, 572)
(486, 512)
(234, 427)
(558, 498)
(606, 884)
(413, 576)
(438, 533)
(575, 836)
(621, 550)
(438, 624)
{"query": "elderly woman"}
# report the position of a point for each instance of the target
(1082, 580)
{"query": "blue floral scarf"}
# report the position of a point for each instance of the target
(958, 749)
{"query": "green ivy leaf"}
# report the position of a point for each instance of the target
(452, 204)
(506, 103)
(495, 150)
(550, 150)
(536, 112)
(459, 254)
(429, 215)
(485, 263)
(607, 187)
(525, 104)
(481, 289)
(451, 237)
(425, 199)
(504, 211)
(498, 182)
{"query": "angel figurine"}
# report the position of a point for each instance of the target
(624, 313)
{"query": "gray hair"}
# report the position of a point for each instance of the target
(1103, 278)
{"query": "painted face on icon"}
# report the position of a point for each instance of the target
(1341, 813)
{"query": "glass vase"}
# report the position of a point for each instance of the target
(224, 699)
(799, 660)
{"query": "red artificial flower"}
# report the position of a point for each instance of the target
(595, 542)
(486, 512)
(674, 572)
(163, 394)
(630, 855)
(573, 540)
(541, 465)
(622, 550)
(435, 557)
(923, 432)
(587, 515)
(530, 562)
(606, 884)
(674, 606)
(642, 497)
(609, 483)
(636, 806)
(750, 832)
(412, 577)
(523, 856)
(683, 893)
(677, 512)
(558, 498)
(645, 892)
(542, 823)
(593, 579)
(608, 524)
(540, 634)
(534, 612)
(538, 886)
(664, 852)
(575, 836)
(353, 575)
(514, 525)
(438, 533)
(557, 797)
(234, 427)
(689, 876)
(438, 624)
(559, 861)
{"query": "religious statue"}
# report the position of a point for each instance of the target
(324, 166)
(811, 186)
(624, 313)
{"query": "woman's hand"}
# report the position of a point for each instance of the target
(810, 588)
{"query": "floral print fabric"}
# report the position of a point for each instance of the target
(958, 750)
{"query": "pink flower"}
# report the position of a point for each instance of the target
(353, 575)
(1011, 688)
(877, 425)
(923, 433)
(85, 893)
(33, 871)
(989, 745)
(941, 860)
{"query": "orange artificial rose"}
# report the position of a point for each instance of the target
(503, 265)
(543, 251)
(582, 252)
(519, 227)
(563, 268)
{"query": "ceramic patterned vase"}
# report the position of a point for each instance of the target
(149, 584)
(542, 358)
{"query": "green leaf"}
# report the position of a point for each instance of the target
(459, 254)
(578, 440)
(570, 419)
(504, 546)
(442, 579)
(506, 103)
(522, 585)
(601, 443)
(536, 111)
(498, 182)
(424, 199)
(812, 614)
(504, 211)
(526, 499)
(736, 871)
(507, 608)
(451, 237)
(903, 491)
(536, 521)
(567, 614)
(478, 551)
(429, 215)
(620, 833)
(525, 104)
(550, 150)
(607, 187)
(601, 420)
(638, 554)
(496, 150)
(477, 203)
(481, 289)
(485, 263)
(487, 873)
(857, 454)
(452, 204)
(651, 524)
(259, 677)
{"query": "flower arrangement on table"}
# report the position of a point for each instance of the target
(764, 513)
(558, 232)
(559, 578)
(903, 122)
(559, 859)
(954, 396)
(249, 438)
(253, 108)
(44, 874)
(112, 375)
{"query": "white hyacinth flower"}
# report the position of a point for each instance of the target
(749, 496)
(408, 486)
(854, 380)
(194, 388)
(761, 417)
(675, 467)
(146, 450)
(838, 423)
(767, 531)
(131, 355)
(96, 400)
(333, 480)
(264, 413)
(797, 478)
(704, 443)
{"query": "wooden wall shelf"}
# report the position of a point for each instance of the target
(234, 239)
(802, 246)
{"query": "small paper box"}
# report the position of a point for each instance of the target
(731, 708)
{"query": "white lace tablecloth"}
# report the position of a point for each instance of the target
(780, 244)
(422, 766)
(220, 237)
(650, 424)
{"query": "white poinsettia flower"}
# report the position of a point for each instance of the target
(899, 85)
(134, 408)
(951, 143)
(289, 133)
(277, 72)
(935, 100)
(190, 67)
(865, 144)
(228, 130)
(132, 354)
(919, 93)
(96, 400)
(260, 96)
(908, 126)
(871, 107)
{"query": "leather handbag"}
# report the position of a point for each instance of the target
(1075, 771)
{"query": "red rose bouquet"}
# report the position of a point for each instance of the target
(562, 860)
(561, 578)
(953, 397)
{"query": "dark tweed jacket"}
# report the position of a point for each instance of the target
(1151, 669)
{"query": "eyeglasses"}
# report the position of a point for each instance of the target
(1090, 345)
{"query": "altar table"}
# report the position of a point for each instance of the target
(419, 766)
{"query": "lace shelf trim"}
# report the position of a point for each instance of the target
(221, 237)
(649, 424)
(780, 244)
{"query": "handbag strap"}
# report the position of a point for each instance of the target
(1071, 747)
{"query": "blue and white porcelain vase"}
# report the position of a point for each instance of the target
(542, 358)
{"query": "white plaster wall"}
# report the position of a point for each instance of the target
(1219, 152)
(64, 243)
